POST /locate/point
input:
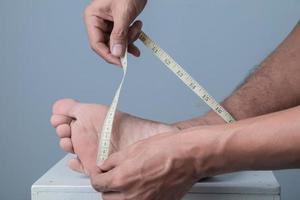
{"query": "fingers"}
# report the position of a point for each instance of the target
(134, 31)
(119, 35)
(134, 50)
(108, 28)
(112, 161)
(111, 195)
(103, 182)
(66, 145)
(98, 32)
(108, 39)
(76, 165)
(133, 35)
(109, 180)
(102, 50)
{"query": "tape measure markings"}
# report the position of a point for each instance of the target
(105, 135)
(185, 77)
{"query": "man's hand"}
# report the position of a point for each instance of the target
(164, 166)
(108, 25)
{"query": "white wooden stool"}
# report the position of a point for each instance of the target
(60, 183)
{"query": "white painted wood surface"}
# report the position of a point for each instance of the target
(60, 183)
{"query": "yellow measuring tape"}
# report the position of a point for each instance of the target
(105, 135)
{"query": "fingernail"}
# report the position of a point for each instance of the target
(117, 50)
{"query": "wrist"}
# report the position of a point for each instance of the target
(210, 118)
(207, 149)
(239, 147)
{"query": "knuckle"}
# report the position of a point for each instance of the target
(87, 10)
(94, 47)
(119, 34)
(119, 181)
(95, 185)
(138, 147)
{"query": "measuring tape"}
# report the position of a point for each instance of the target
(104, 137)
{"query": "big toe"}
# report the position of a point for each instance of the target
(57, 120)
(65, 107)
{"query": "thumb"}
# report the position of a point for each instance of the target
(111, 162)
(119, 36)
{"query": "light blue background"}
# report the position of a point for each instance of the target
(44, 56)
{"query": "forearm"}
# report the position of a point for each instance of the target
(267, 142)
(274, 86)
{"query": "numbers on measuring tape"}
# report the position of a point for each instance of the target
(219, 110)
(192, 86)
(167, 61)
(179, 73)
(105, 135)
(155, 49)
(205, 97)
(185, 77)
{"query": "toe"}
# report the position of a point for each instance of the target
(64, 131)
(65, 107)
(66, 145)
(57, 120)
(76, 165)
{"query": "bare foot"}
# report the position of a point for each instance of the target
(78, 124)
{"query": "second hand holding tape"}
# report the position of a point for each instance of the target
(105, 135)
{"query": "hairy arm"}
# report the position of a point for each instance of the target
(274, 86)
(267, 141)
